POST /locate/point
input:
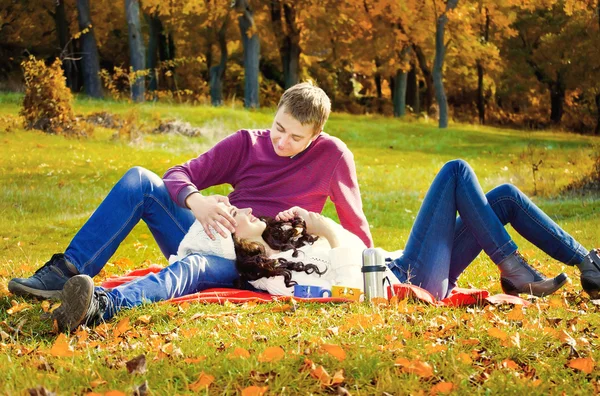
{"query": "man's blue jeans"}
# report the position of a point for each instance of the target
(142, 195)
(441, 245)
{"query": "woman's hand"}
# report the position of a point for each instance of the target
(317, 225)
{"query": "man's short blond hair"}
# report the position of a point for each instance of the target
(308, 104)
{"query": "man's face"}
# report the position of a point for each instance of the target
(288, 136)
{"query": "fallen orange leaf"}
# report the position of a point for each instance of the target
(335, 351)
(145, 319)
(16, 307)
(510, 364)
(97, 382)
(271, 354)
(465, 358)
(61, 347)
(255, 390)
(441, 387)
(240, 352)
(515, 314)
(422, 369)
(338, 378)
(121, 327)
(582, 364)
(45, 305)
(566, 338)
(322, 375)
(114, 393)
(497, 333)
(204, 380)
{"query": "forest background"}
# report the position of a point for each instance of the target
(524, 63)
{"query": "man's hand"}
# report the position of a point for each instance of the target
(294, 211)
(211, 211)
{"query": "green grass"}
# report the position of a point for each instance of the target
(51, 184)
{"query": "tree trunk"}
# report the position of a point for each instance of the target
(429, 92)
(218, 72)
(289, 40)
(557, 98)
(378, 79)
(400, 93)
(597, 131)
(438, 64)
(89, 52)
(251, 46)
(480, 98)
(66, 46)
(155, 28)
(136, 48)
(412, 90)
(485, 35)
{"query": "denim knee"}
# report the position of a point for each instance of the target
(457, 165)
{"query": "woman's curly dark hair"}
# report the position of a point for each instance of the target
(253, 263)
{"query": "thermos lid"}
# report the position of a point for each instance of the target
(373, 256)
(373, 268)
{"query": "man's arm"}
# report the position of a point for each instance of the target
(217, 166)
(345, 194)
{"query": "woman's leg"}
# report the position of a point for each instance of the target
(426, 259)
(513, 207)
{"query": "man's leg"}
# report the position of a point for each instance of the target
(513, 207)
(82, 303)
(139, 194)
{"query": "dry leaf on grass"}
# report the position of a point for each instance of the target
(145, 319)
(121, 327)
(16, 307)
(582, 364)
(137, 365)
(114, 393)
(442, 387)
(335, 351)
(465, 358)
(61, 347)
(422, 369)
(204, 380)
(97, 382)
(271, 354)
(239, 353)
(510, 364)
(255, 390)
(516, 313)
(497, 333)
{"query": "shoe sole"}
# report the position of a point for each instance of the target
(19, 289)
(508, 288)
(76, 297)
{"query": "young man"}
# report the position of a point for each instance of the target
(293, 164)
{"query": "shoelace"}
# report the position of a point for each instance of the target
(98, 306)
(529, 267)
(48, 266)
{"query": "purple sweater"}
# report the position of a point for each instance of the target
(269, 184)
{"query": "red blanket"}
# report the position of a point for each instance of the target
(458, 296)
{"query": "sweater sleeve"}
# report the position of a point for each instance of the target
(218, 165)
(345, 194)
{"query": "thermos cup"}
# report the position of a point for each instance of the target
(373, 270)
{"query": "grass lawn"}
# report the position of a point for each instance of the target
(51, 184)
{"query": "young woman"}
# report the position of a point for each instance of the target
(273, 255)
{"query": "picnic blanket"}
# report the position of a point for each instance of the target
(458, 297)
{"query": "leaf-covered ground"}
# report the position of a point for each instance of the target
(50, 185)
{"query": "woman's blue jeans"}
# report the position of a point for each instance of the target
(441, 245)
(142, 195)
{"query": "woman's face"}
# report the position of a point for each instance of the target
(248, 226)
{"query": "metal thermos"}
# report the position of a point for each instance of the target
(373, 270)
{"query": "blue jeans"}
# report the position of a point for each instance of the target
(441, 245)
(142, 195)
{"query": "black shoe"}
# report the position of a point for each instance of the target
(81, 304)
(47, 281)
(517, 277)
(590, 274)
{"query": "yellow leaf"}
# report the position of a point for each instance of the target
(515, 314)
(435, 348)
(497, 333)
(45, 305)
(422, 369)
(566, 338)
(582, 364)
(335, 351)
(204, 380)
(255, 390)
(61, 347)
(338, 378)
(144, 319)
(16, 307)
(271, 354)
(442, 387)
(97, 382)
(465, 358)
